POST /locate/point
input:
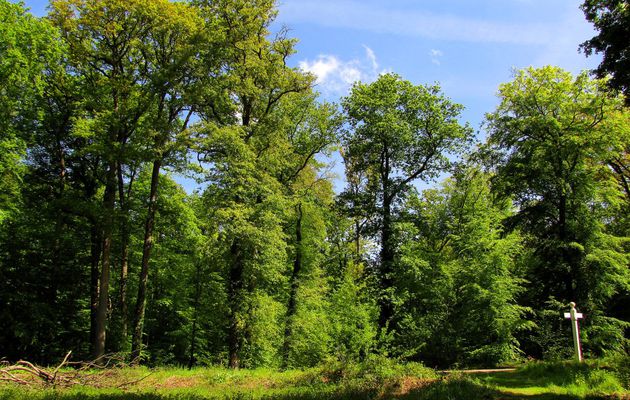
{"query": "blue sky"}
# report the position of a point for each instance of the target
(469, 47)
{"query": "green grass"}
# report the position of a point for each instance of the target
(375, 379)
(593, 379)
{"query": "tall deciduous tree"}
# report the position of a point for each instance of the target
(173, 41)
(310, 129)
(246, 150)
(398, 134)
(551, 155)
(107, 48)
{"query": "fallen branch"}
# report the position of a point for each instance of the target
(45, 377)
(65, 359)
(82, 373)
(12, 378)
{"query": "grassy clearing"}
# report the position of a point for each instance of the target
(375, 379)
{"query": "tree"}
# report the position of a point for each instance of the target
(173, 292)
(398, 133)
(458, 281)
(306, 337)
(44, 254)
(612, 19)
(174, 41)
(310, 128)
(551, 153)
(245, 146)
(128, 53)
(28, 47)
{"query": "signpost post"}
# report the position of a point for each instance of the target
(573, 315)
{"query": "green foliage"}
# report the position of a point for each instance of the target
(374, 371)
(397, 133)
(173, 274)
(620, 364)
(311, 332)
(353, 316)
(266, 265)
(28, 48)
(611, 19)
(551, 149)
(458, 280)
(376, 378)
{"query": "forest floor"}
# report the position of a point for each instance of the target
(537, 381)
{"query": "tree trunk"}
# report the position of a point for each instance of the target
(136, 342)
(235, 293)
(109, 200)
(124, 259)
(193, 333)
(57, 258)
(96, 238)
(292, 305)
(387, 261)
(357, 239)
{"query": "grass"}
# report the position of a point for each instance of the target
(374, 379)
(559, 380)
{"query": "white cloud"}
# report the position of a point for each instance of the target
(335, 76)
(322, 67)
(371, 56)
(435, 56)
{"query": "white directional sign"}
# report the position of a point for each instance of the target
(573, 315)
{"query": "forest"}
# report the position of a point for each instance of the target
(106, 104)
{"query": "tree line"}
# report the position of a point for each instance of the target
(101, 250)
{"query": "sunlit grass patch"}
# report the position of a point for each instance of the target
(590, 378)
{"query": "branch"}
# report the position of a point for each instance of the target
(65, 359)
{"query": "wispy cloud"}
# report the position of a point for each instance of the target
(435, 56)
(381, 19)
(371, 56)
(335, 76)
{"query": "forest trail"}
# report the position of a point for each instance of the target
(476, 371)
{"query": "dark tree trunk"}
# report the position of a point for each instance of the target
(57, 258)
(109, 200)
(357, 239)
(387, 261)
(141, 301)
(193, 333)
(567, 259)
(295, 275)
(124, 259)
(96, 238)
(235, 294)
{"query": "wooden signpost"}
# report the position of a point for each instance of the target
(573, 315)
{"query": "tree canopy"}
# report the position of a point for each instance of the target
(106, 106)
(611, 18)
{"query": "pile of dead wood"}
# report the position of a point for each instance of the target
(66, 374)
